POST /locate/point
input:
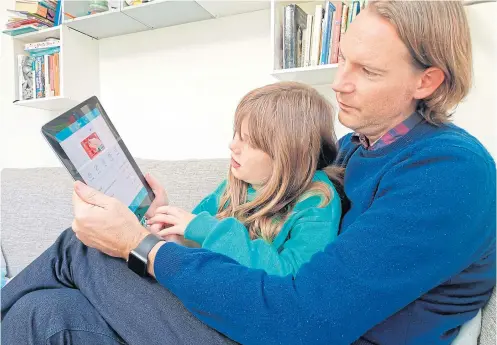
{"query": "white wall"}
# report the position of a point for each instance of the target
(172, 92)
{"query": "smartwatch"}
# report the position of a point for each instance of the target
(138, 257)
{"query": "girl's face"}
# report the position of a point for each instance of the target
(249, 164)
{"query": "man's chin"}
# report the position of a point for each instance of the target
(347, 119)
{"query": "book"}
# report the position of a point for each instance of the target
(24, 29)
(42, 45)
(56, 75)
(325, 43)
(337, 23)
(39, 8)
(356, 9)
(307, 40)
(39, 75)
(27, 15)
(44, 51)
(294, 22)
(25, 77)
(345, 16)
(316, 35)
(58, 13)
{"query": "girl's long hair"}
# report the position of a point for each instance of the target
(293, 124)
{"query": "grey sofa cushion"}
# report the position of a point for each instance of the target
(36, 203)
(488, 324)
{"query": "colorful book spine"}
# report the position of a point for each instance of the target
(39, 75)
(44, 51)
(58, 14)
(357, 8)
(325, 44)
(337, 22)
(56, 75)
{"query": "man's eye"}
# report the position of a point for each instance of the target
(369, 73)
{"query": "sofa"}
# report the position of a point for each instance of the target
(36, 207)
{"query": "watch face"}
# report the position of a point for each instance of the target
(136, 264)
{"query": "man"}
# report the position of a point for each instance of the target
(415, 258)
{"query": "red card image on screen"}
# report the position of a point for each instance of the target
(92, 145)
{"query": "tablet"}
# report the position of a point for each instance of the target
(89, 146)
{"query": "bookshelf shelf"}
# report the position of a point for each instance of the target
(233, 7)
(38, 36)
(164, 13)
(313, 75)
(50, 103)
(105, 24)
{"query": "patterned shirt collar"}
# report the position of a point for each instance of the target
(392, 135)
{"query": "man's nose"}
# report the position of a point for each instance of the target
(343, 81)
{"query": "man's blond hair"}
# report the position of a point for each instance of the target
(436, 33)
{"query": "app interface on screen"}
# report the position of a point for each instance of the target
(99, 159)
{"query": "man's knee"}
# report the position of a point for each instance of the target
(50, 316)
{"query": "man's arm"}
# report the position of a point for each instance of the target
(433, 216)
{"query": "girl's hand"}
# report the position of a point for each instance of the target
(160, 200)
(175, 220)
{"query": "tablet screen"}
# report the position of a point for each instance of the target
(93, 151)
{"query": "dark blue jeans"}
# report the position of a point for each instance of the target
(73, 294)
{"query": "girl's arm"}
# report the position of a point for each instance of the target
(313, 229)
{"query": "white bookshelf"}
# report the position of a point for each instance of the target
(78, 64)
(164, 13)
(79, 55)
(312, 75)
(152, 15)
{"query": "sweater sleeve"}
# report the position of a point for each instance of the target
(391, 255)
(230, 237)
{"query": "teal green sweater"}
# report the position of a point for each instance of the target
(308, 230)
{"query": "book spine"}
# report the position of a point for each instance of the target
(41, 45)
(316, 35)
(41, 52)
(308, 40)
(46, 74)
(52, 74)
(57, 74)
(33, 78)
(58, 14)
(356, 7)
(337, 22)
(39, 71)
(351, 13)
(20, 76)
(289, 58)
(330, 41)
(325, 44)
(345, 16)
(323, 33)
(301, 25)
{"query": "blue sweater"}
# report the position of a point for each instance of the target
(414, 260)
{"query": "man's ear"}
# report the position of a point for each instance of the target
(430, 80)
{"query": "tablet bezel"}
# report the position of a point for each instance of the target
(51, 128)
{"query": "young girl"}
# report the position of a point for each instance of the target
(278, 206)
